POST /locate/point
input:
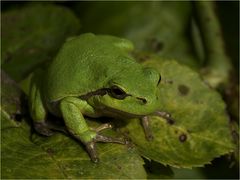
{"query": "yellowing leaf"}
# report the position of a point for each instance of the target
(32, 156)
(200, 131)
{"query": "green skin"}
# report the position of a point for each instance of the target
(93, 75)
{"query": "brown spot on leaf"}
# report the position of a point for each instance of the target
(182, 137)
(170, 121)
(119, 167)
(183, 89)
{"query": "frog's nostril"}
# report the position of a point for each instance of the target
(144, 101)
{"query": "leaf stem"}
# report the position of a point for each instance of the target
(218, 65)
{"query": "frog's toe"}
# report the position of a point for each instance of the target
(91, 145)
(103, 126)
(43, 129)
(101, 138)
(91, 149)
(166, 116)
(147, 128)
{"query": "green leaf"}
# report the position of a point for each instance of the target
(60, 156)
(201, 128)
(32, 35)
(195, 173)
(12, 100)
(159, 27)
(157, 171)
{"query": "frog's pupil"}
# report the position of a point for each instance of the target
(118, 93)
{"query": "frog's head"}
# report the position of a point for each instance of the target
(131, 93)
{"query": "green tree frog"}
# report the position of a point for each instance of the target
(94, 75)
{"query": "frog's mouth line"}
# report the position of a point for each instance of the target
(122, 114)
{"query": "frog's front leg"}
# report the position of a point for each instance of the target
(165, 116)
(146, 128)
(72, 110)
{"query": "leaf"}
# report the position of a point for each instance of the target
(201, 129)
(12, 100)
(195, 173)
(60, 156)
(218, 65)
(32, 35)
(159, 27)
(157, 171)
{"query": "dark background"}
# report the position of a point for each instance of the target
(228, 13)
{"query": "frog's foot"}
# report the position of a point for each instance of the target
(146, 123)
(91, 146)
(146, 127)
(166, 116)
(43, 129)
(101, 138)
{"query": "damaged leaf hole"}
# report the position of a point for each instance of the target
(183, 89)
(182, 138)
(119, 167)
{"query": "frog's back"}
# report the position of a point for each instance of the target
(85, 64)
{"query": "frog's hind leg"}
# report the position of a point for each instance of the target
(36, 107)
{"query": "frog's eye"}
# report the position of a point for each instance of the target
(117, 92)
